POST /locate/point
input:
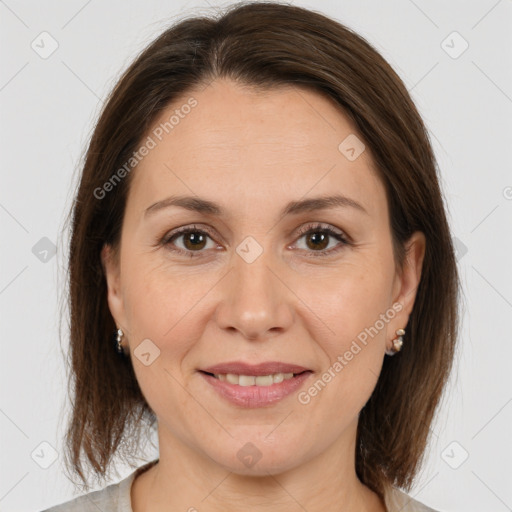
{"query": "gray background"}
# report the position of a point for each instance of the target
(48, 106)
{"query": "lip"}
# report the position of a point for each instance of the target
(256, 396)
(265, 368)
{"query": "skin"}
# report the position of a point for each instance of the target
(253, 153)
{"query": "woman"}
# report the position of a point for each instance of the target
(260, 230)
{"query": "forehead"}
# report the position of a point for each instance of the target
(241, 146)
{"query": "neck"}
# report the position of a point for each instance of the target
(184, 479)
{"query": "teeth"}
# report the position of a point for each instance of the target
(252, 380)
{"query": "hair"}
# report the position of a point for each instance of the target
(265, 45)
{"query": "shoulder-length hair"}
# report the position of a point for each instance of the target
(265, 45)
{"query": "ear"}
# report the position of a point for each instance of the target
(406, 284)
(111, 268)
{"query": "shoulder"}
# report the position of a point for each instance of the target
(115, 497)
(105, 499)
(397, 500)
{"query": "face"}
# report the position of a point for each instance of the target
(254, 283)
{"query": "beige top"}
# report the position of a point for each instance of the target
(117, 498)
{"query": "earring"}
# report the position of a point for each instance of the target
(119, 338)
(397, 343)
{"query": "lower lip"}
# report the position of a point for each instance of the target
(256, 396)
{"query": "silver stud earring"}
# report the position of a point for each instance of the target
(397, 343)
(119, 339)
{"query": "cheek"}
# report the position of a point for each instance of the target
(349, 302)
(162, 304)
(351, 307)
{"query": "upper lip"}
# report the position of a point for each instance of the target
(266, 368)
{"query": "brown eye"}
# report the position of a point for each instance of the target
(318, 237)
(317, 240)
(193, 240)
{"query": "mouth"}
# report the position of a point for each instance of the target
(251, 386)
(254, 380)
(256, 370)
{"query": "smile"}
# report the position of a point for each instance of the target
(252, 391)
(253, 380)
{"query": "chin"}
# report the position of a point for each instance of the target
(262, 466)
(255, 452)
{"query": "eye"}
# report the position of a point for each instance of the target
(317, 238)
(194, 240)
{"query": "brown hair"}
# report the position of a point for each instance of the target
(266, 45)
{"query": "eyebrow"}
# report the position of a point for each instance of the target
(197, 204)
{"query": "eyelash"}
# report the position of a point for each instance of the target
(306, 230)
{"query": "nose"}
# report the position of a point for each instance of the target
(255, 301)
